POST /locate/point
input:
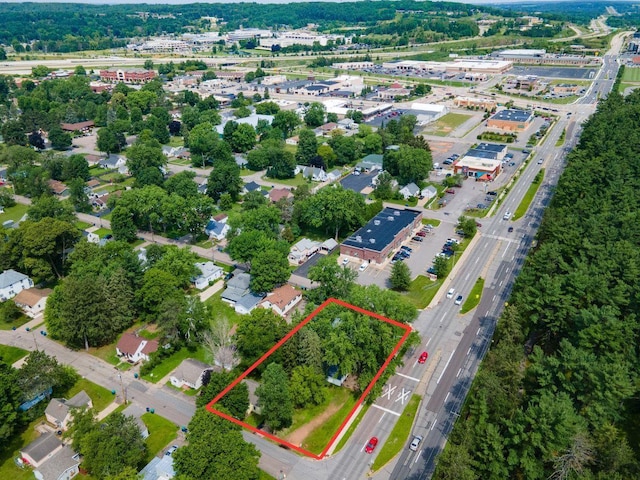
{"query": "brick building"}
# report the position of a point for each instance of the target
(385, 232)
(129, 75)
(511, 120)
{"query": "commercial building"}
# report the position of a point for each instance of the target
(473, 102)
(385, 232)
(541, 57)
(129, 75)
(491, 151)
(352, 65)
(491, 67)
(511, 120)
(482, 169)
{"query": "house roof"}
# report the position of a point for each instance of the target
(412, 188)
(249, 300)
(31, 296)
(158, 469)
(72, 127)
(373, 158)
(305, 244)
(252, 385)
(276, 194)
(57, 187)
(80, 399)
(329, 244)
(215, 227)
(237, 287)
(190, 370)
(251, 186)
(93, 183)
(431, 189)
(208, 269)
(221, 217)
(58, 408)
(129, 344)
(11, 277)
(327, 127)
(59, 463)
(382, 229)
(42, 446)
(281, 296)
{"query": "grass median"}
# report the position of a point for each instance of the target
(528, 197)
(474, 296)
(399, 434)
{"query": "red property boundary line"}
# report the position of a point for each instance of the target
(407, 331)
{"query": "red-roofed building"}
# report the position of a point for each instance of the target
(78, 126)
(58, 187)
(134, 348)
(282, 299)
(276, 194)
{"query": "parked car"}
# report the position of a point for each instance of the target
(455, 156)
(458, 300)
(507, 216)
(364, 266)
(371, 445)
(478, 224)
(492, 193)
(408, 249)
(510, 229)
(415, 443)
(453, 240)
(172, 449)
(417, 239)
(423, 357)
(345, 261)
(450, 190)
(431, 270)
(421, 234)
(512, 164)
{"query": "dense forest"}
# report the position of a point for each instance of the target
(557, 395)
(72, 27)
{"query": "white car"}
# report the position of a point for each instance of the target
(415, 443)
(507, 216)
(345, 261)
(451, 292)
(364, 266)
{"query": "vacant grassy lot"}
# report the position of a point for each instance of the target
(292, 182)
(171, 362)
(399, 434)
(161, 433)
(11, 355)
(446, 124)
(631, 75)
(474, 296)
(422, 290)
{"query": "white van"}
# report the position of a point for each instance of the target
(451, 292)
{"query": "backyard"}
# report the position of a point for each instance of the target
(161, 433)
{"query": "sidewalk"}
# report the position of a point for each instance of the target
(211, 291)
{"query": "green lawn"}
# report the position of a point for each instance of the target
(14, 213)
(399, 434)
(474, 296)
(176, 142)
(265, 476)
(631, 75)
(18, 322)
(161, 433)
(11, 355)
(82, 225)
(222, 309)
(106, 353)
(292, 182)
(431, 221)
(345, 438)
(422, 290)
(100, 396)
(102, 232)
(411, 202)
(170, 363)
(528, 197)
(318, 439)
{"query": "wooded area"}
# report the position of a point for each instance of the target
(557, 395)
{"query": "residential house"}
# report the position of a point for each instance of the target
(250, 187)
(114, 162)
(334, 377)
(241, 161)
(327, 128)
(334, 175)
(159, 468)
(12, 283)
(371, 162)
(239, 295)
(209, 272)
(59, 411)
(32, 300)
(314, 173)
(217, 228)
(302, 250)
(58, 188)
(328, 245)
(292, 140)
(83, 127)
(63, 465)
(41, 449)
(189, 374)
(91, 236)
(136, 412)
(276, 194)
(254, 401)
(282, 299)
(347, 123)
(93, 183)
(410, 190)
(134, 348)
(430, 192)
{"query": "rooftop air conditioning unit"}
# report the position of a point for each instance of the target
(376, 222)
(397, 213)
(372, 240)
(390, 218)
(359, 239)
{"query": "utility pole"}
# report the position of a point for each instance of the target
(124, 392)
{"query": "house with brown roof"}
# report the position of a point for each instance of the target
(134, 348)
(93, 183)
(59, 411)
(282, 299)
(33, 300)
(78, 126)
(276, 194)
(58, 188)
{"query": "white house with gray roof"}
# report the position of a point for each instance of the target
(410, 190)
(189, 374)
(12, 283)
(59, 411)
(209, 272)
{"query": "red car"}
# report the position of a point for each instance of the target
(450, 190)
(421, 234)
(371, 446)
(478, 224)
(423, 357)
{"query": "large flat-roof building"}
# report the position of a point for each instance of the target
(128, 75)
(541, 57)
(384, 233)
(511, 120)
(457, 66)
(484, 169)
(492, 151)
